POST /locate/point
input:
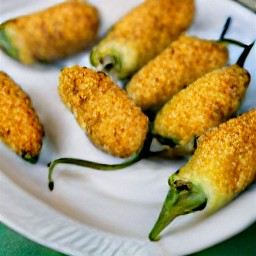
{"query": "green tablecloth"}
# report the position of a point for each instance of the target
(14, 244)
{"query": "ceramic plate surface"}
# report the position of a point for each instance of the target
(98, 213)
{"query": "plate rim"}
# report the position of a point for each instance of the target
(5, 181)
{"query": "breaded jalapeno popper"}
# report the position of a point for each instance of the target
(181, 63)
(20, 127)
(207, 102)
(50, 34)
(217, 96)
(141, 35)
(223, 165)
(104, 111)
(185, 60)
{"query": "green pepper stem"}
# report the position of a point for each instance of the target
(232, 41)
(241, 60)
(222, 38)
(182, 198)
(225, 28)
(144, 152)
(89, 164)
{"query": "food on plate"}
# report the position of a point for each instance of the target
(207, 102)
(185, 60)
(107, 115)
(182, 62)
(142, 34)
(104, 111)
(50, 34)
(223, 165)
(115, 124)
(20, 127)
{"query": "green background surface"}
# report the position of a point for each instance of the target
(14, 244)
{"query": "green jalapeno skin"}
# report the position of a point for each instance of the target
(50, 34)
(142, 34)
(222, 166)
(205, 103)
(20, 126)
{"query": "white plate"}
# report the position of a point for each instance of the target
(98, 213)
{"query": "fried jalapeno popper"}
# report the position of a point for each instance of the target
(108, 116)
(20, 127)
(181, 63)
(207, 102)
(212, 99)
(223, 165)
(185, 60)
(141, 35)
(50, 34)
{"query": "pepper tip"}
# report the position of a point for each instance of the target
(51, 185)
(152, 237)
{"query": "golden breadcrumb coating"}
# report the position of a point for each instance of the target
(104, 111)
(185, 60)
(53, 33)
(224, 163)
(144, 32)
(20, 127)
(206, 103)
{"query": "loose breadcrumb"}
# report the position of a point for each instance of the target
(185, 60)
(204, 104)
(20, 127)
(104, 111)
(53, 33)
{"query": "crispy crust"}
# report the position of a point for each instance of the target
(185, 60)
(146, 31)
(224, 163)
(20, 127)
(206, 103)
(53, 33)
(108, 116)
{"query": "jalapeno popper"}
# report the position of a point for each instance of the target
(50, 34)
(92, 96)
(142, 34)
(108, 116)
(223, 165)
(20, 127)
(185, 60)
(207, 102)
(182, 62)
